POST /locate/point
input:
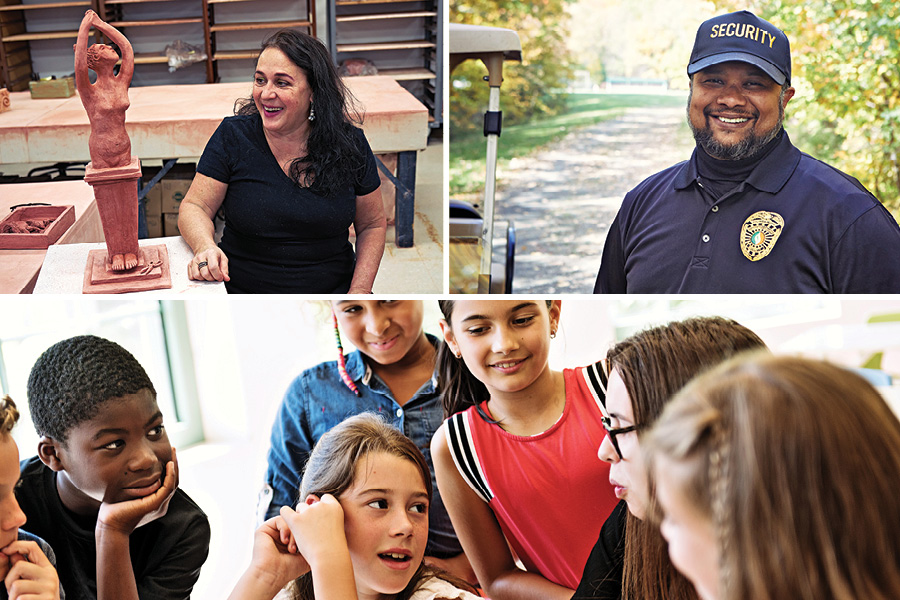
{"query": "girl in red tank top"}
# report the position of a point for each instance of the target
(516, 461)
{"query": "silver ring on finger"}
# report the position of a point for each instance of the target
(201, 264)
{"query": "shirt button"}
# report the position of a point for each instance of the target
(715, 209)
(399, 412)
(705, 238)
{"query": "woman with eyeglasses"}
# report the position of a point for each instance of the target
(645, 371)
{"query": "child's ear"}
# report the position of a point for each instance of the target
(48, 450)
(555, 310)
(312, 499)
(448, 336)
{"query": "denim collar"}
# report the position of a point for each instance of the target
(360, 371)
(770, 175)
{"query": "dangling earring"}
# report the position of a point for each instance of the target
(552, 335)
(312, 112)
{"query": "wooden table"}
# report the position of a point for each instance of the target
(19, 269)
(176, 121)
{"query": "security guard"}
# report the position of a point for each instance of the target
(749, 212)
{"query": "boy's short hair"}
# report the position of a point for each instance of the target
(74, 377)
(9, 414)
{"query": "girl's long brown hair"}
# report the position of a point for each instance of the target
(804, 490)
(654, 365)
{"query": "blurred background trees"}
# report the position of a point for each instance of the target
(535, 89)
(846, 68)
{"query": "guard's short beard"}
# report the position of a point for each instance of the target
(748, 147)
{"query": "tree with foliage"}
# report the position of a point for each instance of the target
(846, 68)
(530, 89)
(647, 39)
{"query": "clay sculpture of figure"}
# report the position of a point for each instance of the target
(105, 102)
(113, 171)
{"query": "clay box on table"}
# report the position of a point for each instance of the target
(62, 217)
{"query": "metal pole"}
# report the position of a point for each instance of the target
(494, 64)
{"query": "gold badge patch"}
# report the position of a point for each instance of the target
(759, 234)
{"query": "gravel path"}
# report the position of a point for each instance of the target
(563, 198)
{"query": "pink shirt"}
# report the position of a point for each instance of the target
(550, 492)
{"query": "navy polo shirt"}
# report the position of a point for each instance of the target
(670, 236)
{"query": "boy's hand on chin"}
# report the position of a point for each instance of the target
(123, 517)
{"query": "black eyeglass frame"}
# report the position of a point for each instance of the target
(613, 432)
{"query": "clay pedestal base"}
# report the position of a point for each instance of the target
(115, 191)
(99, 278)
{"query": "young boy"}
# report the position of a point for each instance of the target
(103, 488)
(26, 561)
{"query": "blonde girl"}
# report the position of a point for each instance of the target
(777, 478)
(361, 529)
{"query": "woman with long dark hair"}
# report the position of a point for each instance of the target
(291, 172)
(645, 371)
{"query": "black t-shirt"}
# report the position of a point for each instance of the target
(602, 577)
(166, 554)
(280, 237)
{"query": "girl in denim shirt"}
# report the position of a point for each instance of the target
(390, 373)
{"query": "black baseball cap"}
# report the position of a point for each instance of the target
(744, 37)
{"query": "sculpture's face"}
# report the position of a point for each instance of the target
(101, 55)
(281, 93)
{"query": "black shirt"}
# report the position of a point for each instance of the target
(602, 577)
(166, 554)
(280, 237)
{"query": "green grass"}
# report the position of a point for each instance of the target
(467, 150)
